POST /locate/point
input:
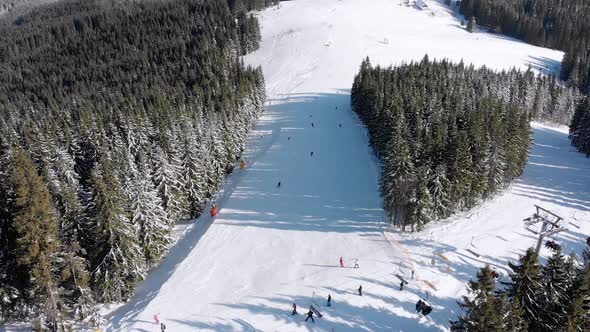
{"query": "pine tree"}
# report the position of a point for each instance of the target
(10, 274)
(554, 299)
(579, 303)
(154, 226)
(36, 225)
(402, 175)
(483, 308)
(462, 173)
(526, 286)
(423, 210)
(167, 177)
(439, 184)
(471, 24)
(514, 318)
(75, 281)
(586, 253)
(117, 259)
(496, 159)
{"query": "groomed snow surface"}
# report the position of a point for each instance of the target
(270, 247)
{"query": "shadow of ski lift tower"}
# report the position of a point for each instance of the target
(550, 224)
(470, 246)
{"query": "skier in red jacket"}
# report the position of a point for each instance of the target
(214, 210)
(341, 262)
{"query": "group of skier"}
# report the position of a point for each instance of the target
(356, 262)
(310, 153)
(423, 307)
(157, 322)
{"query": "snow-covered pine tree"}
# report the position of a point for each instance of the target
(10, 296)
(117, 262)
(167, 177)
(526, 286)
(471, 24)
(578, 308)
(579, 132)
(423, 210)
(193, 160)
(496, 159)
(554, 299)
(439, 185)
(215, 148)
(483, 310)
(461, 173)
(154, 226)
(513, 319)
(403, 176)
(586, 253)
(75, 281)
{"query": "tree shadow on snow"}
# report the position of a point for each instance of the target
(555, 172)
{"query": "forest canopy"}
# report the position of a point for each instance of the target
(450, 135)
(557, 24)
(117, 118)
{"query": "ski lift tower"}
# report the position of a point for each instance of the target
(550, 224)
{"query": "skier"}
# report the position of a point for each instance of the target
(412, 274)
(312, 125)
(361, 290)
(294, 310)
(310, 315)
(340, 125)
(329, 304)
(279, 185)
(163, 327)
(401, 286)
(341, 262)
(214, 210)
(356, 263)
(419, 305)
(311, 153)
(156, 320)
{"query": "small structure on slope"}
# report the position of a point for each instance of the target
(421, 4)
(550, 224)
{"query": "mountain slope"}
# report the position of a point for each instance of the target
(270, 247)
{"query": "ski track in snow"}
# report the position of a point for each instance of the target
(270, 247)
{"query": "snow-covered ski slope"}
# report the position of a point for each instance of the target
(270, 247)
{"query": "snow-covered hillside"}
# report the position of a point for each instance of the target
(270, 247)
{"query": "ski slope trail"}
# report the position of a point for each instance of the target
(270, 247)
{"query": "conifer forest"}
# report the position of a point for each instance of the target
(118, 119)
(554, 296)
(556, 24)
(450, 135)
(121, 121)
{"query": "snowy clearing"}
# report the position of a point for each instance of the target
(270, 247)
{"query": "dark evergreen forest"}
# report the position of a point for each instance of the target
(117, 118)
(580, 127)
(450, 135)
(534, 297)
(557, 24)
